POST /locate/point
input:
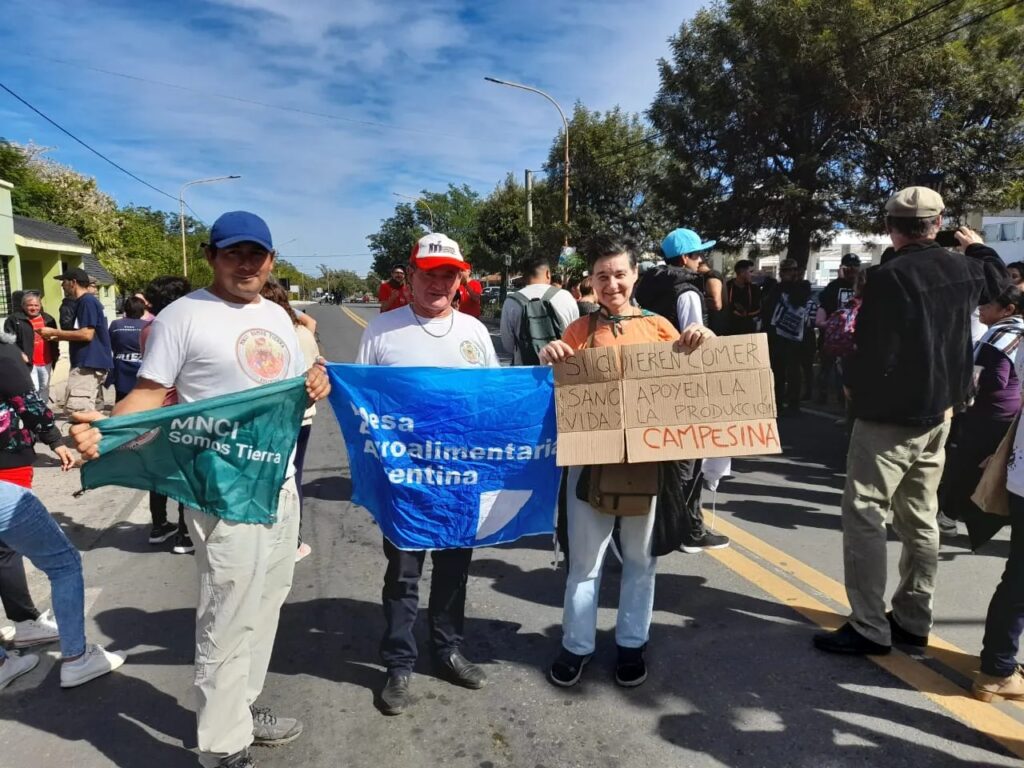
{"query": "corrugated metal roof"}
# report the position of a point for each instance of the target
(44, 230)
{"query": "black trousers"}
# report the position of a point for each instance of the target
(14, 594)
(158, 511)
(446, 608)
(1005, 621)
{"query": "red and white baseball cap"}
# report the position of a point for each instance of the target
(437, 250)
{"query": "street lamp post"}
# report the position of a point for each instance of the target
(422, 202)
(181, 214)
(565, 125)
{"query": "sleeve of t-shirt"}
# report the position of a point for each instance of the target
(565, 307)
(666, 331)
(89, 314)
(298, 367)
(490, 356)
(165, 352)
(383, 292)
(367, 353)
(688, 309)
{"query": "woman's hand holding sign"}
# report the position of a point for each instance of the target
(556, 351)
(692, 337)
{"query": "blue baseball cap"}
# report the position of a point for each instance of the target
(682, 241)
(240, 227)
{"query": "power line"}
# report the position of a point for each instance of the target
(95, 151)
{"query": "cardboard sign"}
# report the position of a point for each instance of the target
(647, 402)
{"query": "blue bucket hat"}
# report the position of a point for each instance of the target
(681, 241)
(240, 227)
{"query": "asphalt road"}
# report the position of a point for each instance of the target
(733, 678)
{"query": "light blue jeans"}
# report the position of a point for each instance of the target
(27, 528)
(590, 531)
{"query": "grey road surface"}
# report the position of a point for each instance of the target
(733, 678)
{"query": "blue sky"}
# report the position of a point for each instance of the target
(406, 77)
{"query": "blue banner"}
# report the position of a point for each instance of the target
(447, 458)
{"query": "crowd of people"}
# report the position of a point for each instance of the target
(894, 340)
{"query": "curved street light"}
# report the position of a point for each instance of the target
(565, 125)
(422, 202)
(181, 213)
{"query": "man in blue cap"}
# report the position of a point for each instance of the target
(674, 290)
(217, 341)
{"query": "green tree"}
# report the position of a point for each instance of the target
(501, 227)
(775, 119)
(392, 243)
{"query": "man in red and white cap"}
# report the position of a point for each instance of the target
(427, 332)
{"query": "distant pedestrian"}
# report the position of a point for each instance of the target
(536, 313)
(789, 320)
(126, 345)
(586, 302)
(394, 292)
(1015, 270)
(742, 300)
(469, 296)
(834, 297)
(40, 355)
(89, 344)
(912, 366)
(427, 332)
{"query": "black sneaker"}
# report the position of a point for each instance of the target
(457, 669)
(900, 636)
(158, 534)
(183, 545)
(271, 731)
(567, 669)
(395, 697)
(630, 670)
(237, 760)
(708, 541)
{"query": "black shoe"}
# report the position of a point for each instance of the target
(900, 636)
(630, 670)
(158, 534)
(269, 730)
(567, 669)
(458, 670)
(237, 760)
(395, 696)
(848, 640)
(709, 540)
(183, 545)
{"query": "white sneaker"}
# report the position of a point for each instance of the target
(95, 662)
(16, 666)
(35, 632)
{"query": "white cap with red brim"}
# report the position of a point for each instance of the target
(437, 250)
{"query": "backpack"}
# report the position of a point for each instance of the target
(839, 330)
(539, 324)
(661, 285)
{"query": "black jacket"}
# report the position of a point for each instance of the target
(19, 324)
(914, 353)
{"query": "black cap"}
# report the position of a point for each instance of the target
(80, 276)
(850, 260)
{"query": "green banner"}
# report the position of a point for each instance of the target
(227, 456)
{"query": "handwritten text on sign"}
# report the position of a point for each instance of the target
(646, 402)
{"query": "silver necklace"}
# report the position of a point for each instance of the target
(424, 328)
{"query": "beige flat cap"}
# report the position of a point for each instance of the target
(915, 203)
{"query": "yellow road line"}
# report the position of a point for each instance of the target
(355, 318)
(982, 717)
(941, 650)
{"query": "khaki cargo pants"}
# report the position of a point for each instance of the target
(898, 468)
(85, 390)
(245, 574)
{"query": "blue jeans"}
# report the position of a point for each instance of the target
(589, 534)
(27, 528)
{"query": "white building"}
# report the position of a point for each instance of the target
(1004, 231)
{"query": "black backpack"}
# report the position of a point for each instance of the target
(539, 324)
(661, 285)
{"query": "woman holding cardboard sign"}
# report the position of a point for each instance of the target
(645, 497)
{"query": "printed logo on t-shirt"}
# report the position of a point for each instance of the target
(471, 352)
(263, 355)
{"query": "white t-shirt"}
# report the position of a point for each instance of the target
(689, 309)
(511, 313)
(204, 347)
(401, 338)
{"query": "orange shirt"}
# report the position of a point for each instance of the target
(639, 330)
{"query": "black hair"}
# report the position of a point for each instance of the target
(134, 307)
(531, 266)
(743, 264)
(602, 246)
(912, 228)
(1018, 265)
(1011, 295)
(165, 289)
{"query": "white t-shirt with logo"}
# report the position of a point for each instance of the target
(205, 346)
(402, 338)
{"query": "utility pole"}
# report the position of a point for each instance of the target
(529, 208)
